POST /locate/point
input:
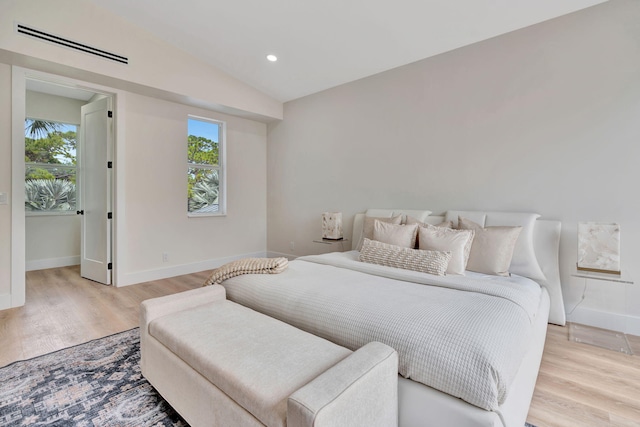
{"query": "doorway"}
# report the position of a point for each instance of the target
(68, 181)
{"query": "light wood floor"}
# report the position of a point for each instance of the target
(578, 385)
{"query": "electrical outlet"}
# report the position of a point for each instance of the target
(165, 257)
(3, 199)
(292, 246)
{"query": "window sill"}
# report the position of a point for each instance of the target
(204, 215)
(50, 213)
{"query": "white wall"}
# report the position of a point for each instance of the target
(52, 240)
(155, 201)
(5, 185)
(544, 119)
(55, 108)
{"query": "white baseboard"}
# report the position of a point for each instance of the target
(179, 270)
(272, 254)
(606, 320)
(41, 264)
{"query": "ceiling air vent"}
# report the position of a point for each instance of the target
(41, 35)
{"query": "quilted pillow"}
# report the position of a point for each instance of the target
(492, 248)
(432, 262)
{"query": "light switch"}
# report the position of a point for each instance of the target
(3, 199)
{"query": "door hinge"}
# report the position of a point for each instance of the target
(109, 266)
(109, 215)
(110, 114)
(109, 165)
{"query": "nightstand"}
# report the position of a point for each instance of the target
(335, 245)
(604, 338)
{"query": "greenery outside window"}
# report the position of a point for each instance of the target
(205, 167)
(50, 167)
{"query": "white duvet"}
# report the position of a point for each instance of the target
(463, 335)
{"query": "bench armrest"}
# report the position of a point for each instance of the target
(361, 390)
(158, 307)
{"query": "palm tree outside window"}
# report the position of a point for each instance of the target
(50, 166)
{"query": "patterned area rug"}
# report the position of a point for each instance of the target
(93, 384)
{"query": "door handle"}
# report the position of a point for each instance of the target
(80, 212)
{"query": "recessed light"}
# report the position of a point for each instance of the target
(272, 58)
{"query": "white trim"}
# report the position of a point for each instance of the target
(119, 245)
(221, 167)
(179, 270)
(50, 213)
(606, 320)
(41, 264)
(18, 218)
(19, 76)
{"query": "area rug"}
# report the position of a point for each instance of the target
(98, 383)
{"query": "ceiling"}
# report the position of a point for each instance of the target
(321, 44)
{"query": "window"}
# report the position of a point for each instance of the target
(205, 167)
(50, 166)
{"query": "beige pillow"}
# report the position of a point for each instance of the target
(432, 262)
(367, 229)
(492, 247)
(458, 242)
(412, 220)
(398, 235)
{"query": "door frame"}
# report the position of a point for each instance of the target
(19, 76)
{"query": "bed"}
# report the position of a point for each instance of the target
(470, 346)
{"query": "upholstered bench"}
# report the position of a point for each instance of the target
(221, 364)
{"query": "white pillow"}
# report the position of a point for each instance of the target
(432, 262)
(458, 242)
(398, 235)
(492, 248)
(524, 261)
(367, 227)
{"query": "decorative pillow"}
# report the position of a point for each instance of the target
(432, 262)
(367, 229)
(458, 242)
(398, 235)
(492, 248)
(524, 261)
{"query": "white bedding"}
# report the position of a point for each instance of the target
(465, 336)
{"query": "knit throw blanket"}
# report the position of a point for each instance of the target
(247, 266)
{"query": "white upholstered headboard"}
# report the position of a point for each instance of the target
(546, 243)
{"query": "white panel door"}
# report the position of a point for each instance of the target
(95, 190)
